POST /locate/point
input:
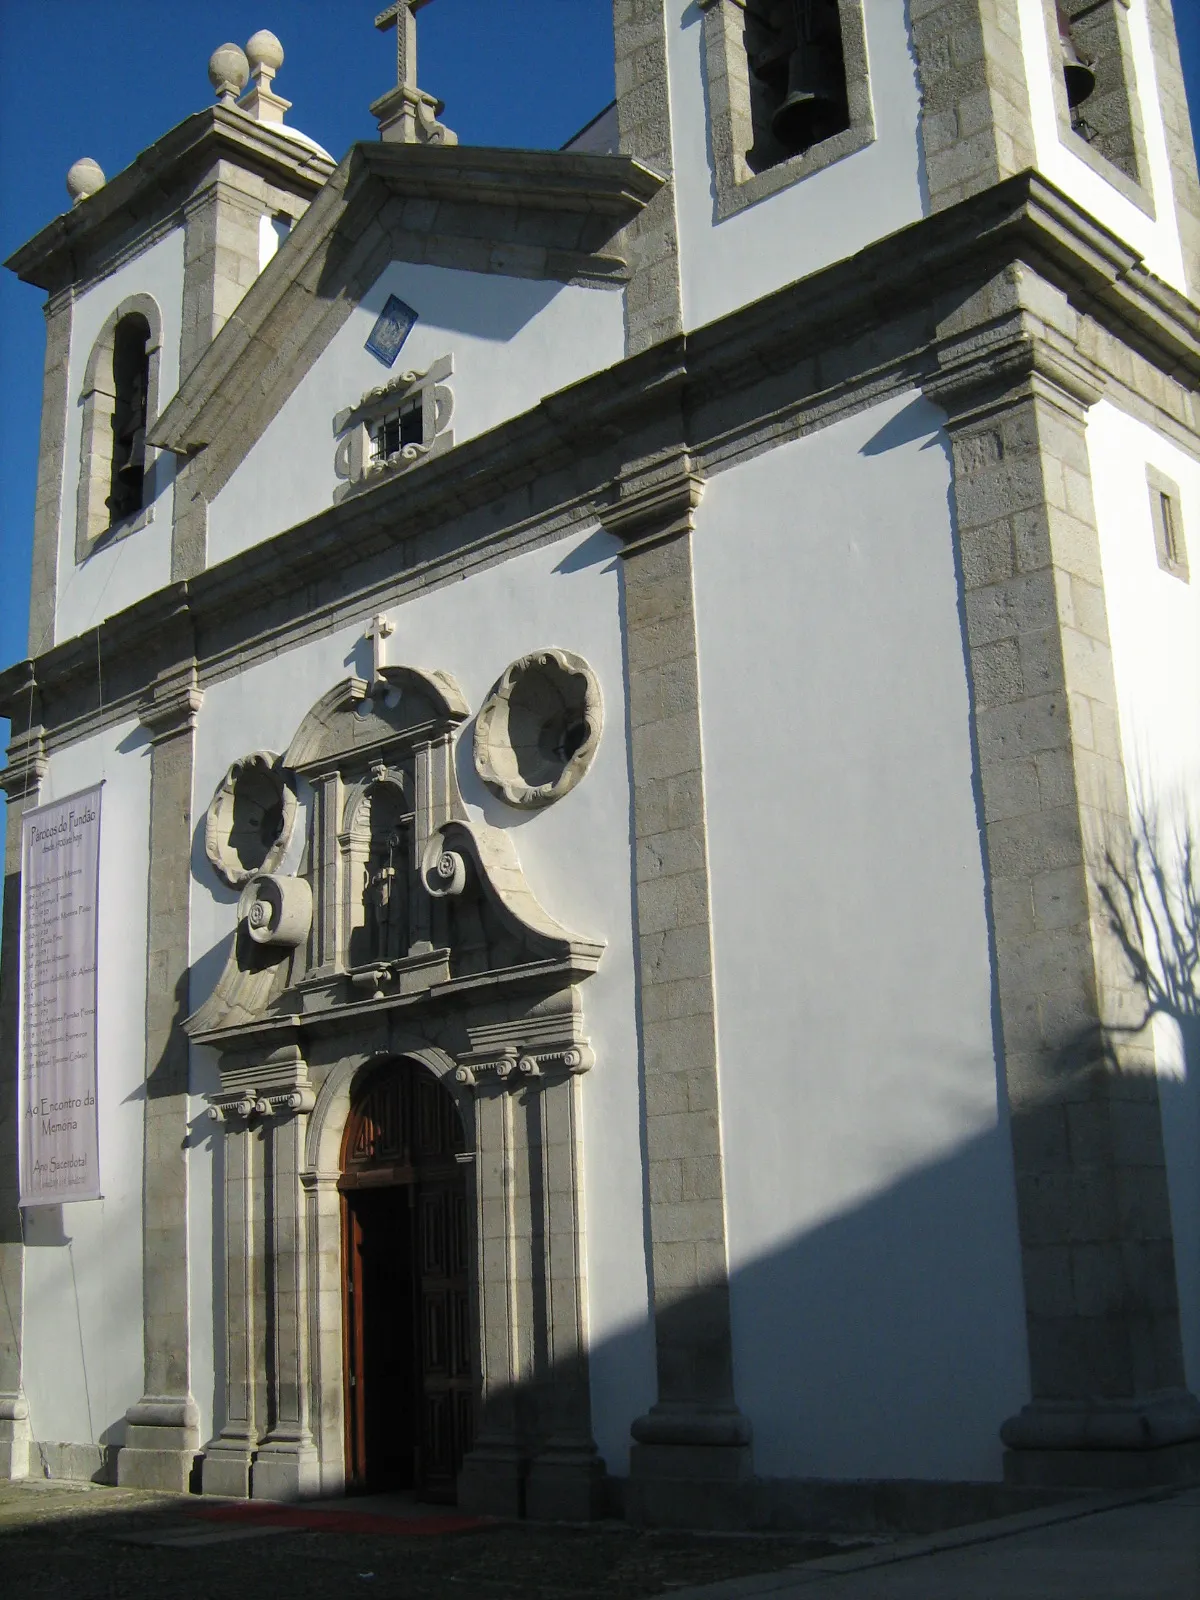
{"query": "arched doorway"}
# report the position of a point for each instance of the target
(410, 1391)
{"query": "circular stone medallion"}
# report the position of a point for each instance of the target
(539, 728)
(248, 825)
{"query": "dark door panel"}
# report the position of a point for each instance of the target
(410, 1401)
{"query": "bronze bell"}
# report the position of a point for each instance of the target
(1080, 78)
(814, 81)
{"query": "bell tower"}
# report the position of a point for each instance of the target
(141, 274)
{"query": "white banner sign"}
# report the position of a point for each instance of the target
(60, 873)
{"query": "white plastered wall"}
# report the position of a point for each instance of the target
(513, 340)
(825, 217)
(1154, 625)
(1157, 238)
(115, 576)
(878, 1318)
(82, 1360)
(576, 858)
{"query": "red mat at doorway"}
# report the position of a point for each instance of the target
(322, 1521)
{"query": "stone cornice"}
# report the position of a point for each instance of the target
(27, 763)
(978, 376)
(547, 180)
(654, 504)
(156, 183)
(171, 703)
(579, 431)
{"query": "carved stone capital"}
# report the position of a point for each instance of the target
(170, 706)
(276, 1086)
(655, 503)
(542, 1048)
(981, 374)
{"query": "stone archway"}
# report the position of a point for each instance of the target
(325, 1136)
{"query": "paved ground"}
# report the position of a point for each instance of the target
(1149, 1550)
(110, 1544)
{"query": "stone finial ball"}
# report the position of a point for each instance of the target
(228, 65)
(84, 178)
(265, 50)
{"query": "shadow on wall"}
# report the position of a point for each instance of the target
(868, 1351)
(882, 1344)
(1153, 905)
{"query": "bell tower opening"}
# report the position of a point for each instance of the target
(409, 1372)
(131, 387)
(798, 92)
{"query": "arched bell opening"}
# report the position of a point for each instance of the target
(408, 1348)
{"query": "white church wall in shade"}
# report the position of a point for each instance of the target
(1157, 238)
(576, 857)
(513, 340)
(877, 1309)
(83, 1262)
(825, 217)
(1154, 625)
(114, 577)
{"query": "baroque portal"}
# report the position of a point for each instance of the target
(404, 978)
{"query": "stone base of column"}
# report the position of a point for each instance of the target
(16, 1437)
(491, 1482)
(1142, 1441)
(566, 1485)
(228, 1460)
(162, 1440)
(286, 1469)
(690, 1468)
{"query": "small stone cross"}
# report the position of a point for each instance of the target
(401, 15)
(381, 629)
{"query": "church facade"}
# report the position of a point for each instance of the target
(647, 701)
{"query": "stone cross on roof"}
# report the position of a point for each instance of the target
(402, 16)
(407, 115)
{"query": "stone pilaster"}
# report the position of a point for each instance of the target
(286, 1466)
(52, 445)
(1109, 1403)
(492, 1476)
(220, 262)
(566, 1474)
(653, 299)
(162, 1434)
(20, 780)
(1181, 144)
(693, 1447)
(975, 122)
(229, 1456)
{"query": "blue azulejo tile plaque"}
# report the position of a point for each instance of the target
(392, 327)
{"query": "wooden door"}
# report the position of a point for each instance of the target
(447, 1389)
(410, 1391)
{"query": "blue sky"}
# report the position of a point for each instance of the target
(105, 78)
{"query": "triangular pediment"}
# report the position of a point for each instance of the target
(521, 213)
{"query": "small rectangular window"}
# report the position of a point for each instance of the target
(393, 432)
(1167, 518)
